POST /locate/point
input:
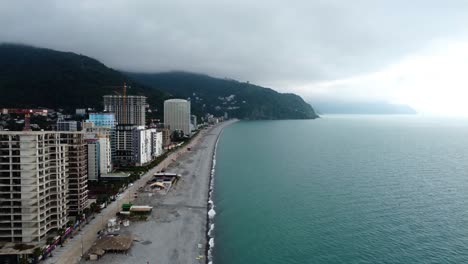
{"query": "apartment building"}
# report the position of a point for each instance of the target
(123, 145)
(99, 155)
(77, 170)
(177, 115)
(33, 185)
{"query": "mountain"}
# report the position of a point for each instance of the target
(238, 99)
(33, 77)
(362, 108)
(38, 77)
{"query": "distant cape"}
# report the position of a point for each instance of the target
(363, 108)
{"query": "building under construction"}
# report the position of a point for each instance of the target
(43, 180)
(129, 110)
(77, 170)
(33, 185)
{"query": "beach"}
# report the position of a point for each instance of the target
(176, 231)
(177, 226)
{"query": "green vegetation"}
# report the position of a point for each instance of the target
(37, 253)
(95, 208)
(217, 96)
(50, 240)
(37, 77)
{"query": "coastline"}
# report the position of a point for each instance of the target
(211, 206)
(178, 228)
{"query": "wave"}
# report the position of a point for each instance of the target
(211, 206)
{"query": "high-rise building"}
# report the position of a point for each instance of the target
(123, 145)
(33, 185)
(104, 125)
(94, 170)
(77, 170)
(156, 143)
(99, 152)
(104, 120)
(177, 115)
(129, 110)
(136, 145)
(142, 145)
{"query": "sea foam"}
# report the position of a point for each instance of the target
(211, 207)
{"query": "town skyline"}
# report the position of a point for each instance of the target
(366, 51)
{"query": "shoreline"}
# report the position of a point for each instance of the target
(178, 228)
(82, 242)
(210, 205)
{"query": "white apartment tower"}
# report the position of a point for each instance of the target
(99, 155)
(142, 145)
(93, 160)
(33, 185)
(128, 110)
(156, 143)
(177, 115)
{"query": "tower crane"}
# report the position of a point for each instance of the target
(124, 97)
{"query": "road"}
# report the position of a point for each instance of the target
(178, 222)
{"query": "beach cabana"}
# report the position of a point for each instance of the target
(158, 184)
(141, 209)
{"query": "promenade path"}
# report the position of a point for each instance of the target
(194, 193)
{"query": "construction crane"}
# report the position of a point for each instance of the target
(27, 114)
(124, 97)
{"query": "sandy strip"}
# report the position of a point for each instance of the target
(176, 230)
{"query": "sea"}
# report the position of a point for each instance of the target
(342, 189)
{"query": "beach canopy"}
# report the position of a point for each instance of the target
(158, 184)
(120, 243)
(166, 174)
(141, 208)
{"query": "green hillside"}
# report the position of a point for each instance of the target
(216, 96)
(38, 77)
(32, 77)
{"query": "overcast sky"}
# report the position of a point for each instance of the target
(402, 51)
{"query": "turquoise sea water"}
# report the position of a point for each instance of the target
(343, 190)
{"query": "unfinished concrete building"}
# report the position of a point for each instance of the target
(128, 109)
(33, 185)
(77, 171)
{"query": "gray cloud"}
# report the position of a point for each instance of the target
(277, 43)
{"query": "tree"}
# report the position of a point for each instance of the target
(23, 259)
(50, 240)
(95, 208)
(87, 211)
(177, 136)
(61, 232)
(37, 253)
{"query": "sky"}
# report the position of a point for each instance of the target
(398, 51)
